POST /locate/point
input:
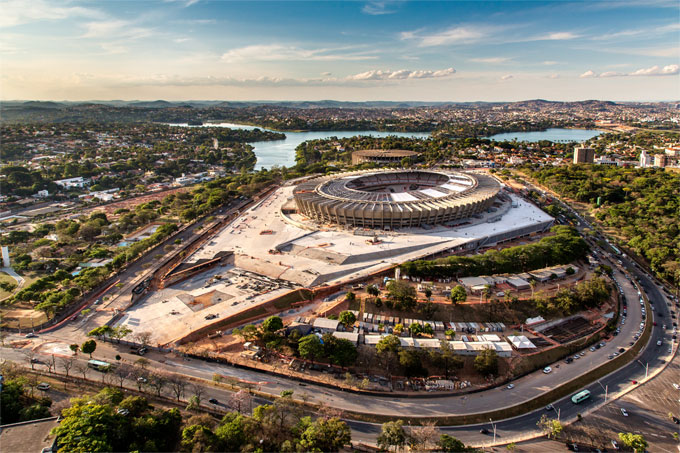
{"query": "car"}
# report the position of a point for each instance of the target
(572, 447)
(597, 346)
(213, 401)
(654, 324)
(34, 360)
(664, 326)
(582, 353)
(549, 407)
(621, 350)
(547, 370)
(510, 386)
(610, 356)
(122, 411)
(576, 357)
(603, 344)
(615, 444)
(659, 343)
(568, 360)
(142, 350)
(142, 380)
(624, 412)
(634, 382)
(484, 431)
(676, 420)
(631, 343)
(31, 335)
(43, 386)
(592, 349)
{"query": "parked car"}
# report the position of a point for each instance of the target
(624, 412)
(484, 431)
(31, 335)
(43, 386)
(547, 370)
(549, 407)
(615, 444)
(510, 386)
(213, 401)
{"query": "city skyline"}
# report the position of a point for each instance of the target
(354, 51)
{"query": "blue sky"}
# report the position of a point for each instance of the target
(350, 50)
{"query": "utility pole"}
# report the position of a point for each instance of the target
(646, 365)
(493, 425)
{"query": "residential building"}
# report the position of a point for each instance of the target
(584, 155)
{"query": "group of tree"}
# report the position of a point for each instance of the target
(426, 437)
(563, 246)
(338, 351)
(640, 205)
(417, 362)
(587, 294)
(280, 426)
(108, 421)
(19, 400)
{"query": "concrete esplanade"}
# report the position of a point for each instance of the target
(395, 199)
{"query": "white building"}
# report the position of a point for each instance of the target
(645, 159)
(72, 183)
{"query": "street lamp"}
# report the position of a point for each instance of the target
(606, 390)
(493, 425)
(646, 365)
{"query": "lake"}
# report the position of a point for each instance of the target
(554, 135)
(282, 152)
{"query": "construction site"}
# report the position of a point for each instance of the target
(270, 250)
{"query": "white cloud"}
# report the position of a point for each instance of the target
(491, 60)
(115, 29)
(276, 52)
(671, 69)
(556, 36)
(401, 74)
(553, 76)
(455, 35)
(326, 74)
(17, 12)
(506, 77)
(180, 40)
(550, 62)
(379, 8)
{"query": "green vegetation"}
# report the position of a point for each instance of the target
(587, 294)
(486, 362)
(562, 247)
(458, 294)
(551, 427)
(641, 206)
(635, 441)
(18, 401)
(98, 424)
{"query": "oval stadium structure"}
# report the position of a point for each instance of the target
(395, 199)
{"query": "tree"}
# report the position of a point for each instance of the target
(67, 364)
(402, 292)
(240, 400)
(423, 437)
(121, 332)
(415, 329)
(635, 441)
(350, 296)
(347, 318)
(272, 324)
(450, 444)
(325, 435)
(157, 382)
(486, 362)
(82, 368)
(88, 347)
(428, 293)
(391, 435)
(372, 290)
(232, 432)
(88, 428)
(388, 344)
(550, 426)
(177, 385)
(458, 294)
(310, 347)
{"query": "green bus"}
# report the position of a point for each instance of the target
(580, 396)
(99, 365)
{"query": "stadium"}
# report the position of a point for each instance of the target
(395, 199)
